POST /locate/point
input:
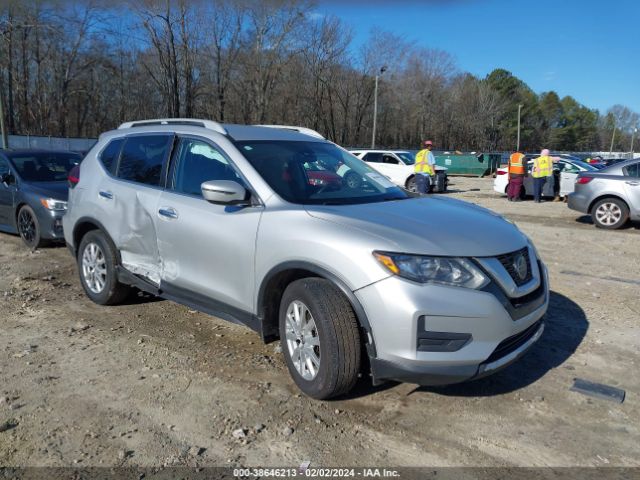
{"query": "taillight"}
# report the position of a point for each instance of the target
(583, 180)
(501, 172)
(74, 176)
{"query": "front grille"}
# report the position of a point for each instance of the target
(508, 261)
(513, 343)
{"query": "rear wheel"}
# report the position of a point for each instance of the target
(320, 338)
(610, 213)
(97, 268)
(29, 228)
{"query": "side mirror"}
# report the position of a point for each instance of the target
(7, 179)
(223, 191)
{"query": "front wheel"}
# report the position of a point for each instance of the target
(320, 338)
(610, 213)
(29, 228)
(97, 267)
(411, 185)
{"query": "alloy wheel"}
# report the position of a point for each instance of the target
(303, 342)
(27, 226)
(94, 267)
(608, 214)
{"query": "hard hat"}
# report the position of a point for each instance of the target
(428, 143)
(545, 152)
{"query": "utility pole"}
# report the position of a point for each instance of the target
(613, 136)
(518, 144)
(633, 134)
(3, 132)
(375, 108)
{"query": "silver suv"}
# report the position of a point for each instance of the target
(253, 224)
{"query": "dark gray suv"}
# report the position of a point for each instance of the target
(33, 193)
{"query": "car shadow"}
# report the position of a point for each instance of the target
(565, 327)
(630, 225)
(138, 297)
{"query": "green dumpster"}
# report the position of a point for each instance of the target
(473, 164)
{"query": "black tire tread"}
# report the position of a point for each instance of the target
(343, 327)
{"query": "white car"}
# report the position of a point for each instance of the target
(567, 169)
(397, 166)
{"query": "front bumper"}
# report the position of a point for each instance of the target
(499, 329)
(50, 223)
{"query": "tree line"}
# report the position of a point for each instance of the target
(80, 68)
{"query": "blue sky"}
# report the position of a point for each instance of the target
(589, 49)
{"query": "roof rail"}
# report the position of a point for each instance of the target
(305, 130)
(193, 122)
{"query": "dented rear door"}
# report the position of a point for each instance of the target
(132, 199)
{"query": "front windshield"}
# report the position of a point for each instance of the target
(45, 166)
(318, 173)
(406, 157)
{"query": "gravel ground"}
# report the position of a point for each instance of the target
(152, 383)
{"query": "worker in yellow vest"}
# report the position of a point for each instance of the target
(424, 168)
(542, 170)
(517, 172)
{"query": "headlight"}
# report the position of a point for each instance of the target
(459, 272)
(53, 204)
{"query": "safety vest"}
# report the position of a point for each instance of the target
(422, 165)
(542, 167)
(516, 164)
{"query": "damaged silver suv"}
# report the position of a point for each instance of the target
(255, 225)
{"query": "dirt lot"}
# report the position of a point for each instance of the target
(152, 383)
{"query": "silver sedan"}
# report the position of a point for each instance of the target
(611, 196)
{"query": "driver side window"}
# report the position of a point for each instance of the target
(196, 162)
(390, 159)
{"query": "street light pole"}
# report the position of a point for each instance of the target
(633, 134)
(375, 108)
(2, 130)
(613, 136)
(518, 144)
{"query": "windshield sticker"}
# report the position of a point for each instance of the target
(382, 180)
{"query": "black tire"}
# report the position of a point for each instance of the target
(411, 185)
(619, 213)
(113, 291)
(352, 180)
(29, 228)
(337, 333)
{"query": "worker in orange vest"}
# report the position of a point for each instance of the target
(517, 172)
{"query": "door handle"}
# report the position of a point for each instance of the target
(633, 183)
(168, 212)
(107, 195)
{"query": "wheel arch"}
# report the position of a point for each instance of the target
(410, 177)
(277, 280)
(604, 196)
(85, 225)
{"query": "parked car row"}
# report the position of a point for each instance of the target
(611, 195)
(283, 231)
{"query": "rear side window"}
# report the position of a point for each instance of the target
(633, 170)
(109, 156)
(142, 158)
(375, 157)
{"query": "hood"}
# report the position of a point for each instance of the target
(57, 190)
(429, 226)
